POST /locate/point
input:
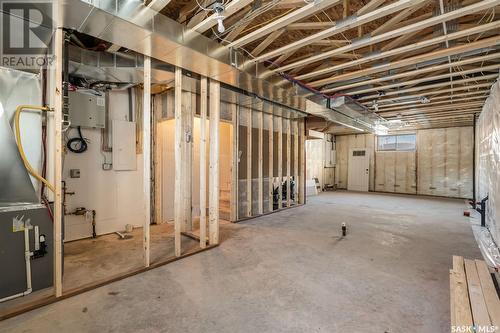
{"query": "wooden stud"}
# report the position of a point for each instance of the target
(271, 162)
(203, 161)
(288, 161)
(146, 157)
(179, 132)
(214, 188)
(280, 162)
(58, 168)
(302, 163)
(249, 162)
(463, 315)
(260, 116)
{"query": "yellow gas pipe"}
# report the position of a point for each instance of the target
(27, 164)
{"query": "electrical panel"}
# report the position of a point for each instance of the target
(87, 109)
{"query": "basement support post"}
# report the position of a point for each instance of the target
(234, 162)
(271, 162)
(261, 162)
(178, 208)
(302, 174)
(203, 161)
(146, 148)
(280, 162)
(288, 160)
(249, 162)
(58, 121)
(474, 121)
(296, 160)
(213, 204)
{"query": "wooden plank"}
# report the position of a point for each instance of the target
(490, 294)
(266, 42)
(271, 162)
(179, 132)
(58, 167)
(234, 162)
(249, 162)
(146, 157)
(288, 161)
(478, 305)
(280, 162)
(372, 5)
(203, 161)
(260, 116)
(302, 173)
(214, 187)
(452, 299)
(463, 314)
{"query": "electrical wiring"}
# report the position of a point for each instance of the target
(79, 144)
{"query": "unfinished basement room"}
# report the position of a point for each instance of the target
(250, 166)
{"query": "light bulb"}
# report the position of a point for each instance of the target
(220, 26)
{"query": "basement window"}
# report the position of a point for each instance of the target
(401, 142)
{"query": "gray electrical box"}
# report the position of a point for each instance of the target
(87, 109)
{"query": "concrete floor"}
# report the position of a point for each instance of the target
(291, 272)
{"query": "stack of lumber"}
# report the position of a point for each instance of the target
(474, 300)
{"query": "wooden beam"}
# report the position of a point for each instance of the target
(370, 6)
(338, 28)
(382, 37)
(463, 316)
(404, 49)
(280, 162)
(302, 163)
(158, 5)
(249, 162)
(410, 61)
(429, 69)
(266, 42)
(431, 86)
(346, 8)
(203, 160)
(186, 10)
(213, 187)
(426, 79)
(389, 24)
(413, 103)
(179, 133)
(235, 32)
(260, 116)
(146, 157)
(422, 105)
(283, 21)
(310, 25)
(233, 7)
(58, 166)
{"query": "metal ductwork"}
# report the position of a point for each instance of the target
(132, 25)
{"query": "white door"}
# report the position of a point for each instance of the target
(358, 170)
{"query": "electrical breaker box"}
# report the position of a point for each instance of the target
(87, 109)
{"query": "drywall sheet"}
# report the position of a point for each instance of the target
(488, 161)
(445, 162)
(395, 172)
(343, 144)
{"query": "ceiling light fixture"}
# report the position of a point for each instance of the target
(218, 9)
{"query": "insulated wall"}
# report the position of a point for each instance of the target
(488, 159)
(445, 162)
(316, 166)
(441, 164)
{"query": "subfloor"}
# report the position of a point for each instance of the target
(292, 272)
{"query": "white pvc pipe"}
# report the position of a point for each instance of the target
(27, 257)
